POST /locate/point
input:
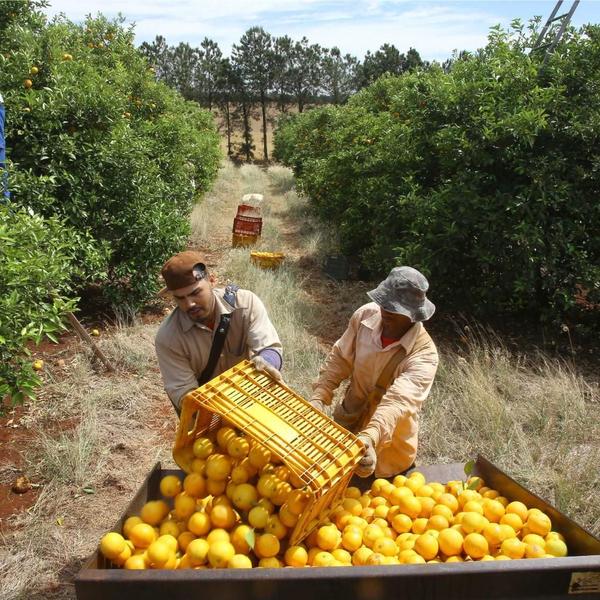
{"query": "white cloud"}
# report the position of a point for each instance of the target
(181, 10)
(434, 28)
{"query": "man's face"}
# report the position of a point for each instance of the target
(394, 322)
(196, 300)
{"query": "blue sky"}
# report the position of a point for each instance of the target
(434, 28)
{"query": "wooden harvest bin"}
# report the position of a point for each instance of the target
(576, 576)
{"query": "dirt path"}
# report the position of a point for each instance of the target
(90, 439)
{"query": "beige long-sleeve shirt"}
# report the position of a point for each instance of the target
(360, 356)
(183, 346)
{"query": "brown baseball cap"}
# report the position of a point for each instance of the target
(178, 271)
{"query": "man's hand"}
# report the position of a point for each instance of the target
(260, 364)
(367, 463)
(317, 403)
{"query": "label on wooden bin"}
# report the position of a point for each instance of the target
(587, 582)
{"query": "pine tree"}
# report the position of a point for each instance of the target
(254, 57)
(338, 75)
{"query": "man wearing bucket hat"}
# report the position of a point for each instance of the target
(211, 329)
(391, 362)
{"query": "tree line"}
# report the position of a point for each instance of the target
(264, 69)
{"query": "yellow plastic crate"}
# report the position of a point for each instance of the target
(267, 260)
(239, 240)
(321, 453)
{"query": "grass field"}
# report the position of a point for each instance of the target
(94, 435)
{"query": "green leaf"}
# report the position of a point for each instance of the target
(52, 337)
(474, 483)
(89, 490)
(250, 538)
(469, 466)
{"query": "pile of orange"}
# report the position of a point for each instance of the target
(239, 504)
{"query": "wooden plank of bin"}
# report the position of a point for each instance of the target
(533, 579)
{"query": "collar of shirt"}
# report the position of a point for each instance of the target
(222, 308)
(408, 340)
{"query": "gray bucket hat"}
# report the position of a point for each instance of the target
(403, 292)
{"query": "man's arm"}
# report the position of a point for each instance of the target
(338, 364)
(404, 397)
(178, 376)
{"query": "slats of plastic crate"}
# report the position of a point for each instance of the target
(313, 447)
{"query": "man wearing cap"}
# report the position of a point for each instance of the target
(391, 362)
(185, 338)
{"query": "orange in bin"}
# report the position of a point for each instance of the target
(317, 451)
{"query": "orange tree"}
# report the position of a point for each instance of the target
(484, 177)
(93, 139)
(102, 158)
(35, 273)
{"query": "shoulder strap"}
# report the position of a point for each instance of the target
(218, 342)
(230, 294)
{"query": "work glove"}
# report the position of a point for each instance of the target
(317, 403)
(351, 421)
(260, 364)
(367, 463)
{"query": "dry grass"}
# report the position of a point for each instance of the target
(99, 435)
(212, 218)
(291, 310)
(534, 417)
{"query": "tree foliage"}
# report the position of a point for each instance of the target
(253, 57)
(35, 274)
(104, 166)
(93, 139)
(484, 177)
(386, 61)
(265, 69)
